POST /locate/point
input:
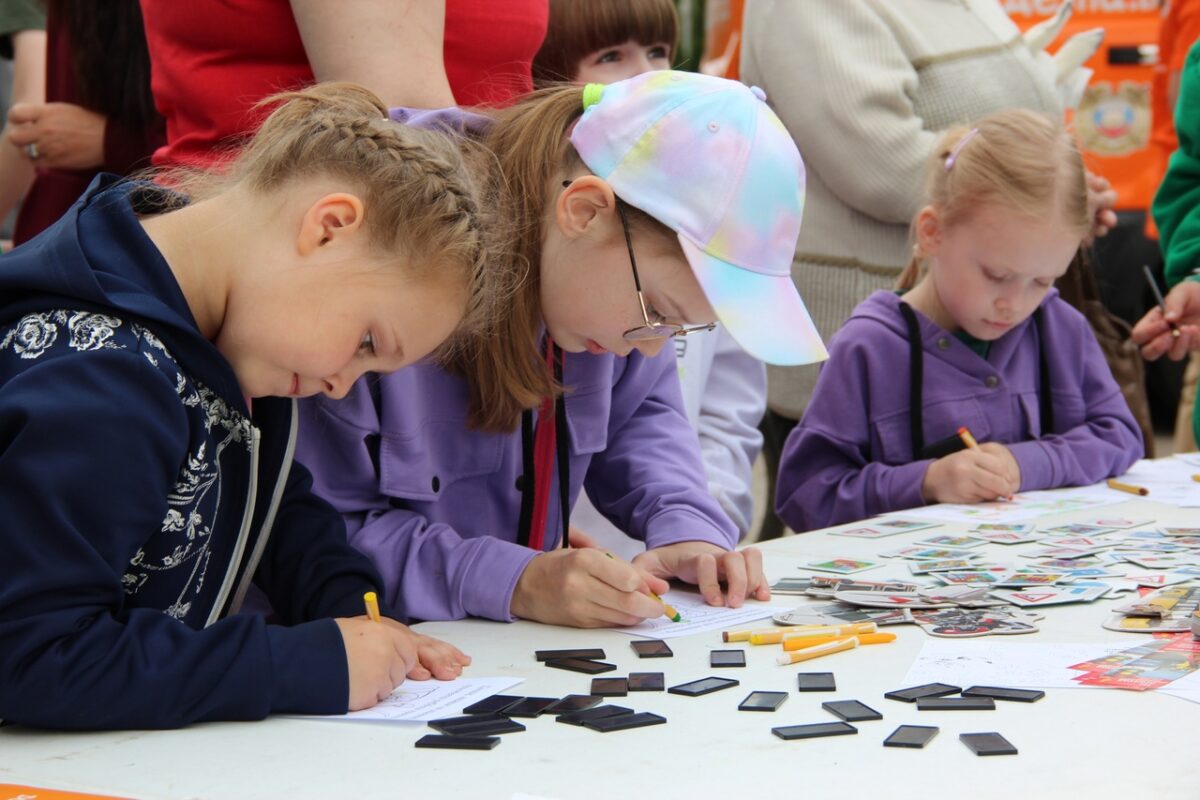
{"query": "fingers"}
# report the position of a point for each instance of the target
(439, 659)
(756, 579)
(578, 538)
(24, 113)
(734, 565)
(707, 579)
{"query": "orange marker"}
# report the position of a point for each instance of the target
(1127, 487)
(806, 642)
(816, 651)
(782, 634)
(967, 438)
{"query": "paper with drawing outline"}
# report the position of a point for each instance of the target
(421, 701)
(698, 617)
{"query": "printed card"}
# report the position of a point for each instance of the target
(867, 533)
(947, 540)
(903, 525)
(1003, 527)
(937, 565)
(842, 566)
(1051, 595)
(1078, 528)
(929, 553)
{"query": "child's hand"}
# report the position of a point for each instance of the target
(968, 476)
(378, 655)
(435, 658)
(707, 565)
(1012, 470)
(585, 588)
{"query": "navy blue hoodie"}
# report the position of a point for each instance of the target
(139, 497)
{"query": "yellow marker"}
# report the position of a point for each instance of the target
(1196, 478)
(1127, 487)
(967, 438)
(817, 651)
(744, 636)
(782, 634)
(804, 642)
(671, 613)
(668, 611)
(372, 604)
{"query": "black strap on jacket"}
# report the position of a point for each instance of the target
(527, 481)
(916, 389)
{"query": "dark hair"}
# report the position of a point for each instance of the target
(579, 27)
(110, 59)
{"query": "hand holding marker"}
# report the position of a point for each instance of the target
(668, 611)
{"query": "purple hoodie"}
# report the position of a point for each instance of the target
(436, 506)
(851, 455)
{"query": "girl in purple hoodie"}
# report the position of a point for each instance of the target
(981, 341)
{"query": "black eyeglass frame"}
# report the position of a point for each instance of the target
(650, 330)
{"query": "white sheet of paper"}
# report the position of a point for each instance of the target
(1035, 665)
(698, 617)
(1024, 506)
(421, 701)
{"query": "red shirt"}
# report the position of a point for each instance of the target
(211, 62)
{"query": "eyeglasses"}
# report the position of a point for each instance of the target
(652, 329)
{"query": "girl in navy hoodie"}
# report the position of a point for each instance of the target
(140, 493)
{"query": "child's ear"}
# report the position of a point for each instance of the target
(582, 204)
(928, 231)
(329, 219)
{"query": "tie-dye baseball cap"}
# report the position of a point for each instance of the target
(706, 157)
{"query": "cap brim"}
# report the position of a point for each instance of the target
(763, 313)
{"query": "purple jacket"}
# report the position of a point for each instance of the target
(436, 506)
(851, 455)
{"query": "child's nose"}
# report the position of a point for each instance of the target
(338, 386)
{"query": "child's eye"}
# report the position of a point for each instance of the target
(367, 346)
(656, 52)
(654, 316)
(1044, 283)
(991, 276)
(609, 57)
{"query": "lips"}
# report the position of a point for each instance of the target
(594, 348)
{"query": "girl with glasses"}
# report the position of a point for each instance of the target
(635, 212)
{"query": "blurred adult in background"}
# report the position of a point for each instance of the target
(23, 42)
(98, 114)
(213, 62)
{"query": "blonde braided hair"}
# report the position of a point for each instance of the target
(420, 201)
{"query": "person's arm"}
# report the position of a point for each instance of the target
(1176, 206)
(1105, 444)
(826, 475)
(428, 570)
(28, 86)
(842, 86)
(731, 405)
(89, 452)
(392, 47)
(649, 478)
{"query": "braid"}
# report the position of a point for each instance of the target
(420, 198)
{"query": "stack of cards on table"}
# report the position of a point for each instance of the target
(1152, 665)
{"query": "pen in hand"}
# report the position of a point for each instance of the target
(372, 604)
(668, 611)
(1158, 296)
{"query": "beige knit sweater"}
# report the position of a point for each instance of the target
(864, 86)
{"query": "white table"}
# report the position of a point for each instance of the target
(1074, 743)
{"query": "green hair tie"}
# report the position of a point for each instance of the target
(592, 94)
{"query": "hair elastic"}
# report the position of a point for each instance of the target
(958, 148)
(592, 94)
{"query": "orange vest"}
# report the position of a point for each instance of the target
(1114, 118)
